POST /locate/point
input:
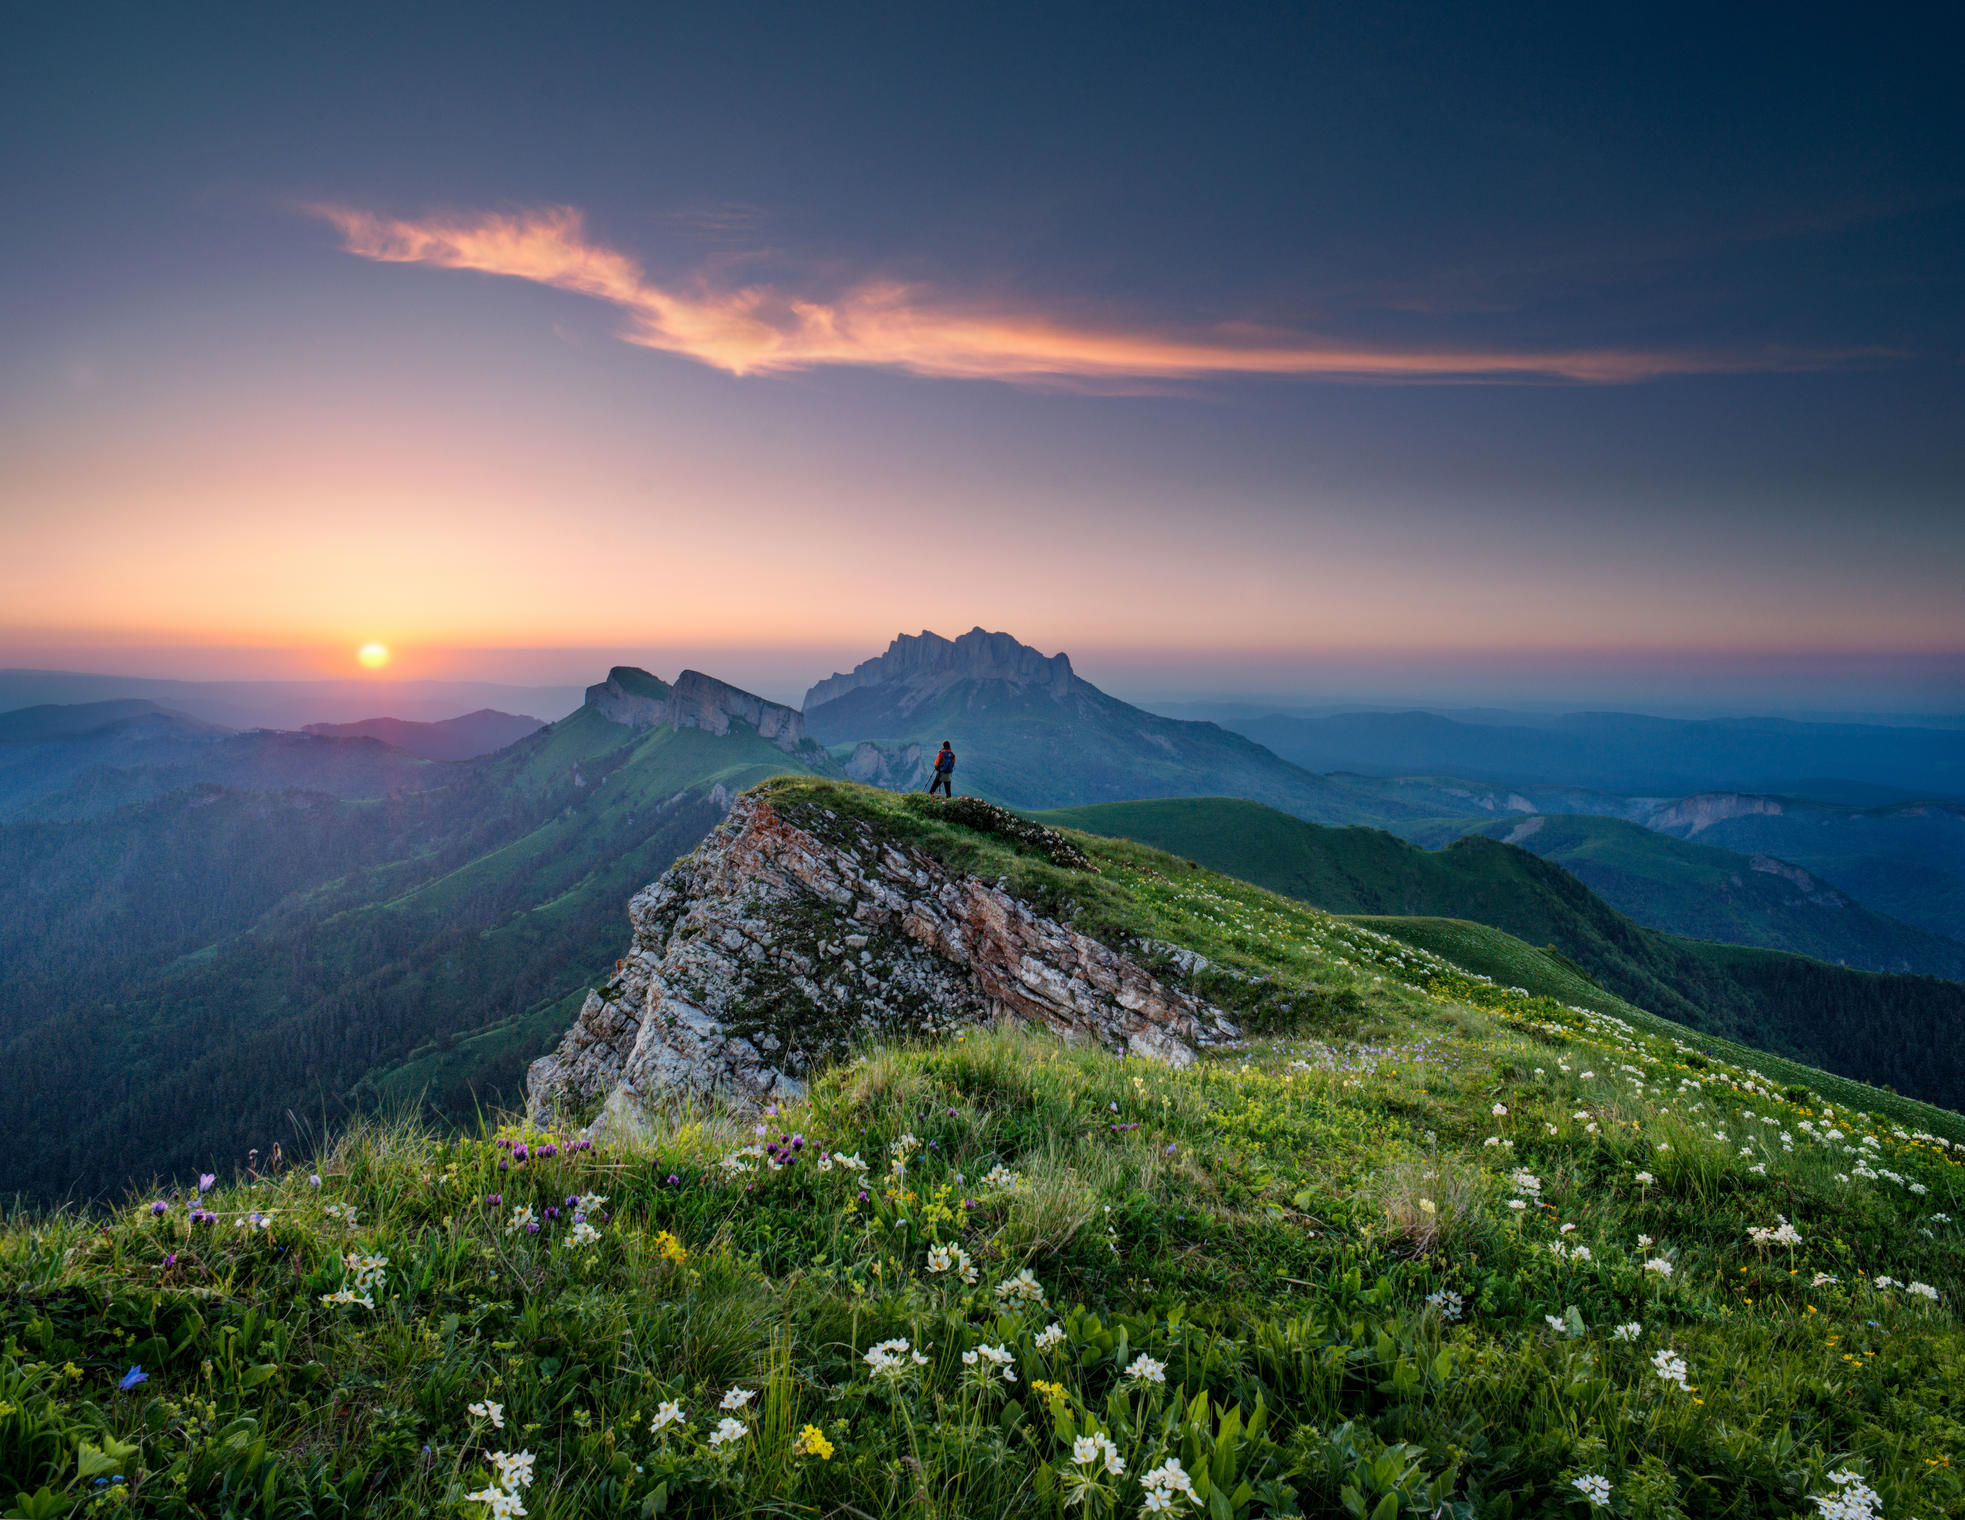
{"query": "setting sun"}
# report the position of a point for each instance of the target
(373, 656)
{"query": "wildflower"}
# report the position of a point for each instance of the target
(890, 1359)
(514, 1468)
(851, 1163)
(999, 1178)
(206, 1181)
(1500, 1110)
(1163, 1482)
(1023, 1288)
(314, 1180)
(667, 1414)
(1628, 1332)
(1671, 1368)
(728, 1430)
(137, 1375)
(1556, 1323)
(1051, 1335)
(522, 1219)
(737, 1398)
(1643, 1241)
(1089, 1451)
(1147, 1370)
(812, 1442)
(1449, 1303)
(1517, 1204)
(1659, 1265)
(991, 1362)
(495, 1413)
(500, 1504)
(583, 1234)
(671, 1248)
(1593, 1486)
(1822, 1279)
(1857, 1501)
(160, 1207)
(1922, 1290)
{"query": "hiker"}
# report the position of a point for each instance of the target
(944, 772)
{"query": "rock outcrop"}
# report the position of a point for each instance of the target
(637, 699)
(793, 933)
(924, 664)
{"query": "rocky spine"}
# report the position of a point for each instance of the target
(790, 935)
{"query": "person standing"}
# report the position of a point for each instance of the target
(944, 772)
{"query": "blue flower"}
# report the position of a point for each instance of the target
(131, 1378)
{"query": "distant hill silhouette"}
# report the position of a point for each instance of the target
(465, 738)
(1632, 754)
(1029, 731)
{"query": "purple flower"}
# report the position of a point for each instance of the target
(549, 1150)
(571, 1200)
(494, 1199)
(314, 1180)
(206, 1180)
(519, 1152)
(131, 1378)
(532, 1229)
(170, 1261)
(503, 1164)
(674, 1181)
(160, 1207)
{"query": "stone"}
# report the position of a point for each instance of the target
(791, 935)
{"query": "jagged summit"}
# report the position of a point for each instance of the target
(926, 664)
(633, 697)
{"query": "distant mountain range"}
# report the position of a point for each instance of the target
(83, 761)
(1633, 755)
(461, 738)
(1030, 732)
(205, 929)
(1899, 1030)
(209, 960)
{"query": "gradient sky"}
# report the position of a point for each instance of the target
(1334, 353)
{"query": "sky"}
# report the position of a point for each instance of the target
(1361, 354)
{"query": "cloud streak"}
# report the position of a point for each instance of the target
(762, 329)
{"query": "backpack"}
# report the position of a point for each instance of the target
(945, 761)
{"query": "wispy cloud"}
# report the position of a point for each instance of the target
(763, 329)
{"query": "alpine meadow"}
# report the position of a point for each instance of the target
(1059, 762)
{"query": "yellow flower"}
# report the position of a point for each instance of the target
(812, 1442)
(671, 1248)
(1048, 1390)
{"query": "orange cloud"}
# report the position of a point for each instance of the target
(758, 329)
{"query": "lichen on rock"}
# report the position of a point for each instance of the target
(784, 941)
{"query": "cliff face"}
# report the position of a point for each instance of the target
(924, 664)
(791, 935)
(639, 700)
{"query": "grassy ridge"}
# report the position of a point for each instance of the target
(1429, 1246)
(1894, 1029)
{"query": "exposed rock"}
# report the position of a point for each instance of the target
(793, 933)
(1704, 809)
(927, 663)
(635, 698)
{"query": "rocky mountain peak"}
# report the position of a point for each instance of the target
(792, 934)
(633, 697)
(925, 663)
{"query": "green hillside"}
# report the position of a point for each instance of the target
(1879, 1028)
(312, 953)
(1701, 892)
(1429, 1245)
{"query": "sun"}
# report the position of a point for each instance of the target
(373, 656)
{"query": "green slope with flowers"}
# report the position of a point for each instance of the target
(1432, 1244)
